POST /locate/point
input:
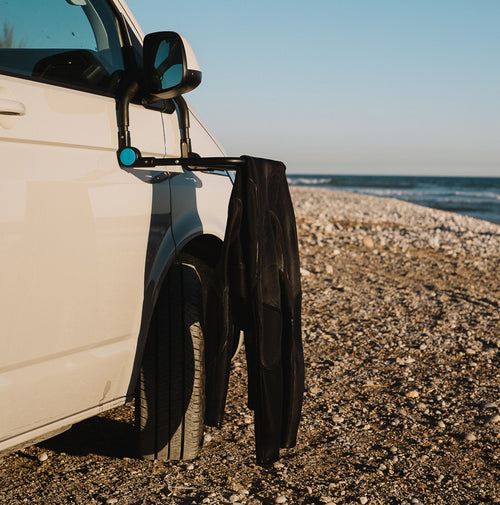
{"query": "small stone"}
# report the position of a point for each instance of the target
(441, 424)
(363, 500)
(278, 466)
(490, 405)
(329, 269)
(408, 360)
(111, 501)
(304, 272)
(412, 394)
(234, 498)
(494, 419)
(382, 468)
(43, 457)
(207, 437)
(190, 466)
(337, 419)
(315, 390)
(440, 479)
(369, 244)
(393, 449)
(280, 499)
(470, 437)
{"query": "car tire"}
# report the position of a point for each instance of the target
(170, 395)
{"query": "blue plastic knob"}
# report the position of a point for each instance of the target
(128, 156)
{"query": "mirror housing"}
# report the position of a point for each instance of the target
(170, 65)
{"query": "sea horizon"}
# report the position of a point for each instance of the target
(477, 197)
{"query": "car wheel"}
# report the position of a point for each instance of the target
(170, 396)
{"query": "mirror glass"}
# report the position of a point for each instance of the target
(168, 64)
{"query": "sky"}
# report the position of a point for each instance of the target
(393, 87)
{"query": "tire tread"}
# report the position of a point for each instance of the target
(170, 397)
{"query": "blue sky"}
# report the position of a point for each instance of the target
(347, 86)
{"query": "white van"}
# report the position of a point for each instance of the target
(104, 254)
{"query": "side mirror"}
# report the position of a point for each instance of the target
(170, 65)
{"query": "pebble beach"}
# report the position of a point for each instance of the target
(401, 331)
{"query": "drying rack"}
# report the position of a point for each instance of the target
(130, 157)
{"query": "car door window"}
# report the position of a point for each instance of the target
(67, 42)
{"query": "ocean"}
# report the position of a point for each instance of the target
(477, 197)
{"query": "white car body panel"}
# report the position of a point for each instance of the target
(76, 229)
(208, 205)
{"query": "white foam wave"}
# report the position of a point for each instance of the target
(309, 181)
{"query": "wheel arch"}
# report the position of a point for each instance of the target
(203, 247)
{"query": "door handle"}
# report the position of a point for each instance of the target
(11, 107)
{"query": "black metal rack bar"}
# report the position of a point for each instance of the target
(191, 163)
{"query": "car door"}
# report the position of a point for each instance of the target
(73, 226)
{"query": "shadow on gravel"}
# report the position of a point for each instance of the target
(97, 435)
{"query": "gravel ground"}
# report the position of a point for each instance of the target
(402, 403)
